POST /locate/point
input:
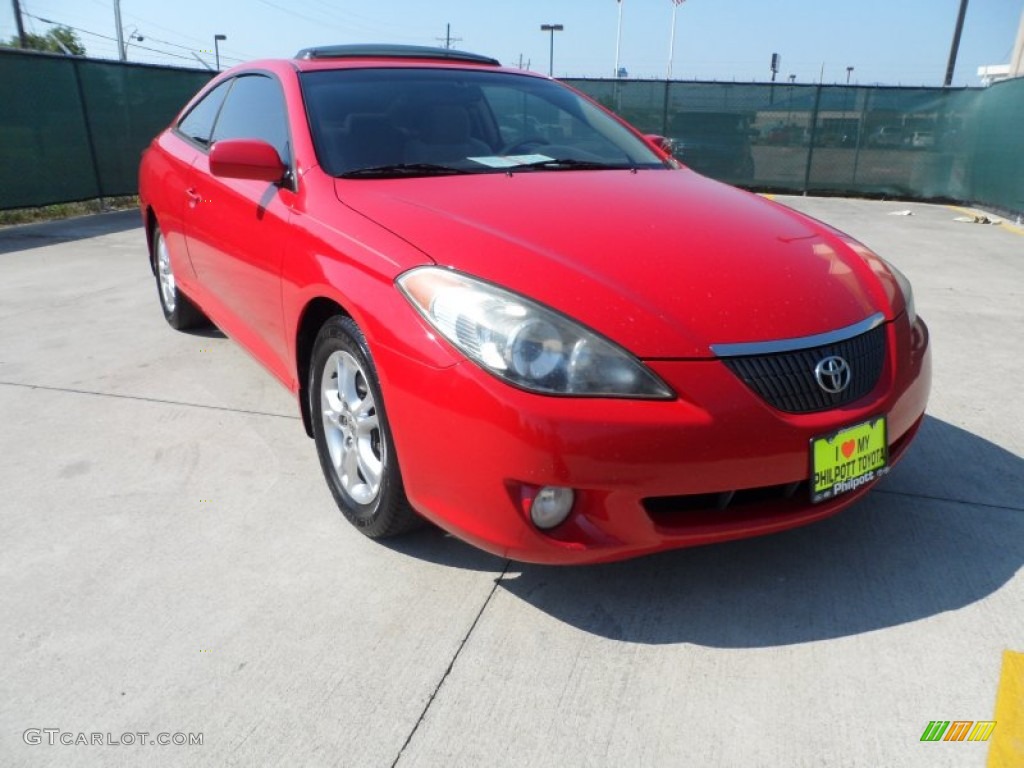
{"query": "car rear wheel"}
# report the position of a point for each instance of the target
(179, 311)
(353, 438)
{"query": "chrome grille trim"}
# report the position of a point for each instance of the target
(745, 349)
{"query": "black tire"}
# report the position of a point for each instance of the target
(179, 311)
(352, 434)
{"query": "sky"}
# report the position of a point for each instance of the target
(892, 42)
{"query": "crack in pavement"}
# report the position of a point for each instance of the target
(140, 398)
(451, 664)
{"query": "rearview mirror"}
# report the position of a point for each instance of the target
(246, 159)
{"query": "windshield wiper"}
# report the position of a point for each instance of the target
(403, 169)
(571, 164)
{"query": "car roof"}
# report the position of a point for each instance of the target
(405, 52)
(335, 57)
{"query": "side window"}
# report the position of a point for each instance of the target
(255, 110)
(198, 123)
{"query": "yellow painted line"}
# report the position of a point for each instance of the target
(1004, 225)
(1006, 749)
(767, 196)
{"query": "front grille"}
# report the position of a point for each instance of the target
(786, 379)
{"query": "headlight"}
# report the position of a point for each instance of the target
(908, 292)
(524, 343)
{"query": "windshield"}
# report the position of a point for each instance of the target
(392, 122)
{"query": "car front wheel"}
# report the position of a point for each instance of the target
(353, 439)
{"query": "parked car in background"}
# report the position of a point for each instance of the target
(502, 309)
(786, 136)
(922, 139)
(717, 144)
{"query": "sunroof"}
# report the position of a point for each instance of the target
(392, 51)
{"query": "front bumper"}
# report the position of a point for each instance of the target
(648, 475)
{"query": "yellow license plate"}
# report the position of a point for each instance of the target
(848, 459)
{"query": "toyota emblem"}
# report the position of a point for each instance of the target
(833, 374)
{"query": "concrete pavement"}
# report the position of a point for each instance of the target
(172, 562)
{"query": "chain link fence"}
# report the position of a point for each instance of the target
(923, 143)
(73, 129)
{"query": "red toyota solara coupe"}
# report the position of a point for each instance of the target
(504, 310)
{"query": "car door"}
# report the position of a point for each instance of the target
(170, 159)
(237, 230)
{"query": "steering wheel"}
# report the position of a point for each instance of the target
(523, 145)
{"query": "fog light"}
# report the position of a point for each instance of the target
(551, 506)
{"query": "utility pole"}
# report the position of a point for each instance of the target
(448, 39)
(22, 39)
(955, 47)
(120, 31)
(849, 71)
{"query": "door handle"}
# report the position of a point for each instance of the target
(193, 197)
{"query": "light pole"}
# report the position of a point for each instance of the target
(552, 28)
(216, 48)
(849, 71)
(672, 36)
(133, 35)
(618, 39)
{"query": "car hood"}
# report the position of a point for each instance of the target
(664, 262)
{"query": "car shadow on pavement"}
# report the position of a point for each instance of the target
(944, 530)
(205, 332)
(22, 237)
(434, 545)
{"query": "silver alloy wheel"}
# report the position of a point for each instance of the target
(163, 267)
(351, 428)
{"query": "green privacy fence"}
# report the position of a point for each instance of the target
(73, 128)
(925, 143)
(996, 169)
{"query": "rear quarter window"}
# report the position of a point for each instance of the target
(197, 124)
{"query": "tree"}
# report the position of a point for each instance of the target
(59, 39)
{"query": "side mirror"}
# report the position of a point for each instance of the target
(246, 159)
(663, 143)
